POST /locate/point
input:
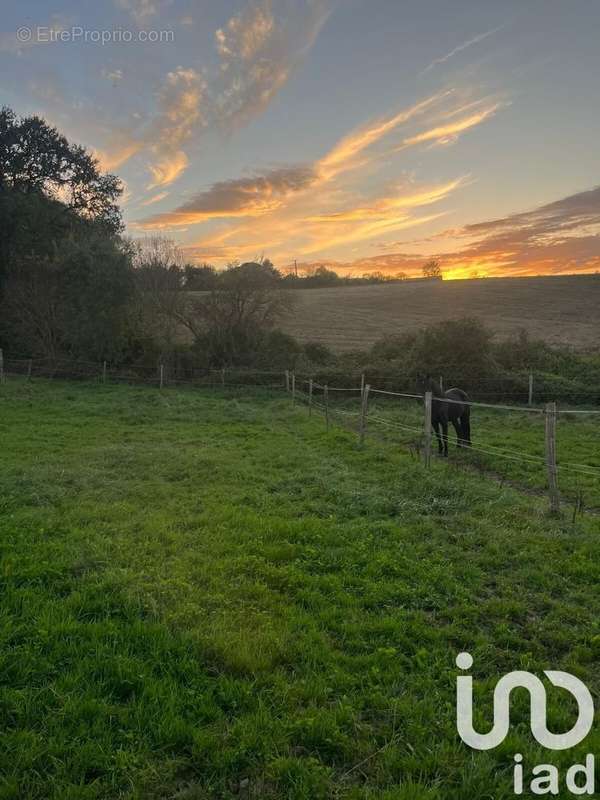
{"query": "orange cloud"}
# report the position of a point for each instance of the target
(240, 197)
(389, 205)
(117, 153)
(344, 155)
(155, 199)
(269, 190)
(299, 229)
(308, 208)
(561, 237)
(168, 169)
(442, 134)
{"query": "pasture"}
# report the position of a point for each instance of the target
(562, 310)
(206, 594)
(508, 445)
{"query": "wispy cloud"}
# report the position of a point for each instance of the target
(297, 228)
(155, 199)
(268, 190)
(386, 207)
(346, 152)
(180, 114)
(114, 75)
(259, 50)
(239, 197)
(119, 149)
(142, 11)
(557, 238)
(459, 48)
(285, 190)
(449, 132)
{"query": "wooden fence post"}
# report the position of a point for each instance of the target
(1, 366)
(29, 367)
(530, 395)
(310, 393)
(362, 384)
(162, 375)
(287, 380)
(293, 388)
(551, 458)
(427, 429)
(326, 401)
(364, 412)
(441, 384)
(104, 372)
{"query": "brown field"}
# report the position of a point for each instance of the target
(561, 310)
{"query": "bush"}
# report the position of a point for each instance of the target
(318, 353)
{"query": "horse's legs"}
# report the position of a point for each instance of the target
(436, 427)
(466, 427)
(458, 428)
(444, 426)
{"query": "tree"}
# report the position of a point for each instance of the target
(65, 274)
(321, 276)
(231, 321)
(35, 157)
(432, 269)
(459, 349)
(199, 278)
(160, 305)
(73, 302)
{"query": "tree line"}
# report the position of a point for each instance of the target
(73, 286)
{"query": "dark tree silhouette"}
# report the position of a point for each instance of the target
(432, 269)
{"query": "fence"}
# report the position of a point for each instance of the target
(362, 413)
(367, 408)
(160, 375)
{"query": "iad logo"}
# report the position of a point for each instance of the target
(546, 778)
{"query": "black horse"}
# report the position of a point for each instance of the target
(458, 412)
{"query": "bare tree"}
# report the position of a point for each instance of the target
(160, 304)
(432, 269)
(231, 319)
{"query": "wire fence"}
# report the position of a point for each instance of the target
(535, 447)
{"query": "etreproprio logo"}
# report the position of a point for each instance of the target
(580, 778)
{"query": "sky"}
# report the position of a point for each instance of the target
(366, 135)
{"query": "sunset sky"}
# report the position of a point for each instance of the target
(363, 134)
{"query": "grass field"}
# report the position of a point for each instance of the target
(211, 596)
(508, 444)
(561, 310)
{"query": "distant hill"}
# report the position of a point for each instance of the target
(561, 310)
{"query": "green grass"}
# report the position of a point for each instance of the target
(509, 444)
(208, 595)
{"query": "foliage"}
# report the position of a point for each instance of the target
(73, 302)
(318, 354)
(231, 321)
(462, 348)
(201, 278)
(64, 272)
(36, 158)
(322, 277)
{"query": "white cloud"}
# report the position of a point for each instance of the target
(459, 48)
